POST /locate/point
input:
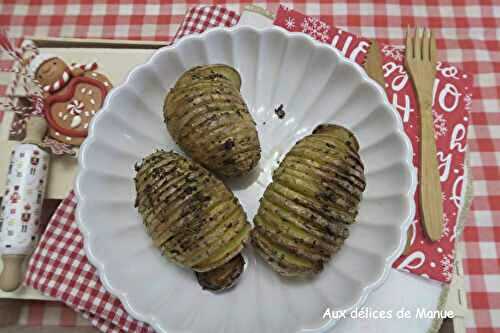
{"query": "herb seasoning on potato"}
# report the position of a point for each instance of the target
(207, 116)
(305, 213)
(192, 217)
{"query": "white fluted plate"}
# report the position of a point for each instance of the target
(316, 85)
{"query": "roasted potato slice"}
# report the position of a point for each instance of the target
(207, 116)
(304, 214)
(192, 217)
(210, 71)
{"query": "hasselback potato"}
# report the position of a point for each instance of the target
(192, 217)
(207, 116)
(304, 214)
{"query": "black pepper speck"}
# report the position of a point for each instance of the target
(280, 112)
(229, 144)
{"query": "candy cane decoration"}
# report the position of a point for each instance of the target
(66, 76)
(60, 83)
(88, 67)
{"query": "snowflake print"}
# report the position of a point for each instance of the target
(290, 22)
(440, 127)
(446, 227)
(316, 29)
(454, 234)
(447, 265)
(443, 196)
(468, 101)
(395, 52)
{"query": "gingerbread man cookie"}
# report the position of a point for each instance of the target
(73, 95)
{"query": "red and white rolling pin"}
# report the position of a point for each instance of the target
(22, 203)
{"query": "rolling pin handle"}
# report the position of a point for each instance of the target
(11, 276)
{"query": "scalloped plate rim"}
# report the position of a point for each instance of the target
(100, 266)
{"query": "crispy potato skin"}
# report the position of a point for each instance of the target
(223, 277)
(207, 116)
(192, 217)
(305, 212)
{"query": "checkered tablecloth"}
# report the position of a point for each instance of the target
(468, 36)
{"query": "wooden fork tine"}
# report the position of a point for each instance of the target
(426, 41)
(432, 47)
(418, 44)
(409, 44)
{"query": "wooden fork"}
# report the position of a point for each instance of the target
(420, 61)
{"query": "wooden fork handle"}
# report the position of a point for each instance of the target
(430, 185)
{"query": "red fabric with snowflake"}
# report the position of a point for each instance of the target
(350, 45)
(452, 100)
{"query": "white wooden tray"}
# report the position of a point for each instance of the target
(63, 169)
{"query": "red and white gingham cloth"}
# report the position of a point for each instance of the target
(59, 268)
(200, 18)
(469, 37)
